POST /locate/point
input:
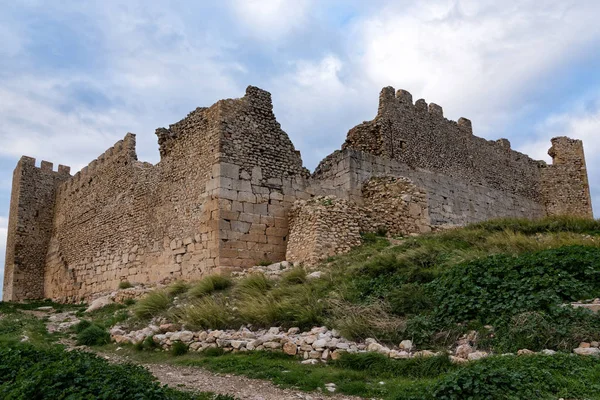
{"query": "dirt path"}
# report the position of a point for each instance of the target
(238, 386)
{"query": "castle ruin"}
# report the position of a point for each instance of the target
(230, 191)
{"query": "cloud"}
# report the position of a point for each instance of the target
(474, 58)
(271, 20)
(582, 121)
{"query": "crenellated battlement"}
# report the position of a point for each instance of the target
(123, 151)
(45, 166)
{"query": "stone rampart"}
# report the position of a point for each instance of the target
(226, 188)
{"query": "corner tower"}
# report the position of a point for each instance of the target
(565, 186)
(30, 227)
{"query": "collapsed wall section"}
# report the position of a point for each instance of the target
(326, 225)
(32, 207)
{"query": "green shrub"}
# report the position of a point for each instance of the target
(179, 349)
(125, 285)
(93, 335)
(152, 304)
(30, 373)
(129, 302)
(253, 284)
(359, 322)
(81, 325)
(410, 298)
(264, 263)
(497, 286)
(561, 328)
(533, 377)
(208, 285)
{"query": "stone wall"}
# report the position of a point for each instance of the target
(30, 227)
(565, 186)
(325, 225)
(451, 200)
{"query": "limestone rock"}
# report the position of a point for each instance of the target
(99, 303)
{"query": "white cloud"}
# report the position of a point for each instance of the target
(474, 57)
(581, 122)
(271, 20)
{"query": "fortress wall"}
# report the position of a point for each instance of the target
(565, 186)
(451, 201)
(124, 220)
(30, 227)
(259, 177)
(419, 136)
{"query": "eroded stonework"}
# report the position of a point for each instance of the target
(231, 191)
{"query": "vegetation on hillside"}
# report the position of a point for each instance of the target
(510, 280)
(512, 275)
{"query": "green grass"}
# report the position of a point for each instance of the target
(152, 304)
(209, 285)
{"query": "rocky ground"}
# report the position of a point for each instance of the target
(191, 378)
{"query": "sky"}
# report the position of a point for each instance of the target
(76, 76)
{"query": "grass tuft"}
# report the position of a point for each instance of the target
(152, 304)
(209, 285)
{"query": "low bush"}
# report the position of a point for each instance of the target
(152, 304)
(93, 335)
(253, 284)
(295, 276)
(498, 286)
(81, 326)
(179, 349)
(208, 285)
(125, 285)
(531, 377)
(30, 373)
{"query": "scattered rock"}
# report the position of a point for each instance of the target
(587, 351)
(99, 303)
(477, 355)
(463, 351)
(406, 345)
(525, 352)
